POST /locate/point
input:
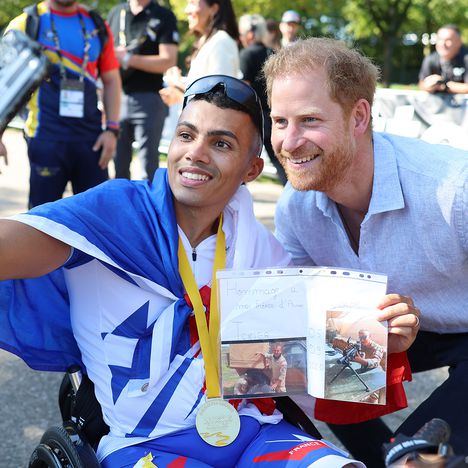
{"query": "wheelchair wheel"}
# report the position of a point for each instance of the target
(44, 457)
(63, 446)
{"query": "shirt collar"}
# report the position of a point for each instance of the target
(387, 194)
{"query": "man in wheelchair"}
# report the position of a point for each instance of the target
(110, 279)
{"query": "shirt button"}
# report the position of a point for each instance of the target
(144, 387)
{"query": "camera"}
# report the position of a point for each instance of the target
(22, 68)
(427, 447)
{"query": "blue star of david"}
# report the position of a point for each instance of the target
(133, 327)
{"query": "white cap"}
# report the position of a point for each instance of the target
(291, 16)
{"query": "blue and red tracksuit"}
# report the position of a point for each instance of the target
(264, 446)
(60, 148)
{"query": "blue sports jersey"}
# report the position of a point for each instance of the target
(43, 120)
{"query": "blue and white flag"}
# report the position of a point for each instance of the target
(121, 298)
(130, 226)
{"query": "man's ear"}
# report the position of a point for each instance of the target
(255, 169)
(361, 117)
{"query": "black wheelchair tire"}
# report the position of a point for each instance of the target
(44, 457)
(58, 442)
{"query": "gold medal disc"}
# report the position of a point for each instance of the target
(218, 422)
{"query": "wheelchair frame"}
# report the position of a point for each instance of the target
(71, 444)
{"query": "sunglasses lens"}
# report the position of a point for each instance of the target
(234, 89)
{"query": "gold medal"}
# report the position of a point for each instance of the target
(218, 422)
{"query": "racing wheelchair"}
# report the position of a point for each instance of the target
(72, 444)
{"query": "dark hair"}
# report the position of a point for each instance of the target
(273, 28)
(225, 19)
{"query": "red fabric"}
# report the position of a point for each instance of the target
(265, 405)
(107, 59)
(297, 453)
(344, 412)
(205, 294)
(179, 462)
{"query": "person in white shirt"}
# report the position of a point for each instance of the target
(216, 50)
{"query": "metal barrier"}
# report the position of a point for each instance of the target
(436, 118)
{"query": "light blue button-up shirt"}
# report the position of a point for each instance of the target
(415, 231)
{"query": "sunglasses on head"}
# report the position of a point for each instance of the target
(236, 90)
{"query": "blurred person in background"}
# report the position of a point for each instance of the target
(252, 30)
(66, 139)
(215, 51)
(289, 27)
(446, 69)
(272, 37)
(146, 46)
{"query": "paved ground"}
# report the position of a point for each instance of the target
(28, 399)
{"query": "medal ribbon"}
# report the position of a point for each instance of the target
(208, 336)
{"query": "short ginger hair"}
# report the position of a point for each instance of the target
(350, 75)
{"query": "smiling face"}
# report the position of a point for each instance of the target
(448, 43)
(211, 154)
(289, 31)
(311, 135)
(199, 15)
(277, 350)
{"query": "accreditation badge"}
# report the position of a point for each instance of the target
(71, 98)
(218, 422)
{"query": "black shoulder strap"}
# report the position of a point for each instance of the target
(101, 27)
(32, 21)
(294, 414)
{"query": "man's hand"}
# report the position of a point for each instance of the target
(107, 143)
(432, 83)
(3, 153)
(403, 321)
(360, 359)
(173, 77)
(120, 52)
(171, 95)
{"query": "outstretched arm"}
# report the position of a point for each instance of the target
(26, 252)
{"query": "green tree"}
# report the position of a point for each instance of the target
(384, 18)
(379, 25)
(11, 8)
